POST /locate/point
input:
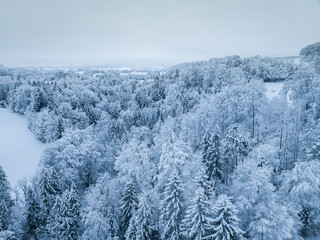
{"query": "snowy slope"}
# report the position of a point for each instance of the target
(19, 150)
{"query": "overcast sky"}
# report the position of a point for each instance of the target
(88, 32)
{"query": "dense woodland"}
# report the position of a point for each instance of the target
(194, 151)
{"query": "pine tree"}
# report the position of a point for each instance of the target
(225, 224)
(131, 233)
(314, 151)
(235, 149)
(32, 214)
(5, 201)
(60, 129)
(112, 224)
(305, 219)
(172, 208)
(158, 89)
(128, 204)
(206, 184)
(46, 189)
(49, 188)
(55, 181)
(62, 221)
(4, 215)
(211, 156)
(197, 220)
(214, 157)
(74, 210)
(65, 215)
(205, 147)
(38, 101)
(143, 218)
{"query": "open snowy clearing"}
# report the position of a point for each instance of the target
(20, 151)
(273, 89)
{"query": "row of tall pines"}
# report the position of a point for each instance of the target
(52, 213)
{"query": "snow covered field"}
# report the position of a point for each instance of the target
(273, 89)
(19, 150)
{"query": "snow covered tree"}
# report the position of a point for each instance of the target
(5, 201)
(96, 226)
(213, 160)
(143, 218)
(175, 154)
(98, 222)
(8, 235)
(259, 209)
(47, 188)
(60, 128)
(271, 221)
(100, 214)
(128, 204)
(134, 161)
(74, 210)
(61, 220)
(32, 214)
(64, 220)
(205, 146)
(301, 188)
(131, 232)
(172, 208)
(209, 186)
(38, 101)
(198, 217)
(314, 150)
(235, 149)
(4, 215)
(225, 224)
(158, 89)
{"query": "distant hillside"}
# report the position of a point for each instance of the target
(311, 54)
(311, 51)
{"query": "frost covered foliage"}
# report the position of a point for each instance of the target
(195, 151)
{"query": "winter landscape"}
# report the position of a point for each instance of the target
(226, 148)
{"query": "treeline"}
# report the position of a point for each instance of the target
(196, 151)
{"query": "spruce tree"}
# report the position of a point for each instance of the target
(112, 224)
(213, 163)
(205, 146)
(172, 208)
(5, 201)
(131, 233)
(74, 210)
(61, 218)
(314, 151)
(128, 204)
(198, 217)
(211, 156)
(38, 101)
(225, 224)
(46, 189)
(55, 181)
(143, 219)
(235, 149)
(208, 185)
(60, 129)
(32, 215)
(49, 188)
(4, 215)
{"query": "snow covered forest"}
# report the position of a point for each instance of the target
(194, 151)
